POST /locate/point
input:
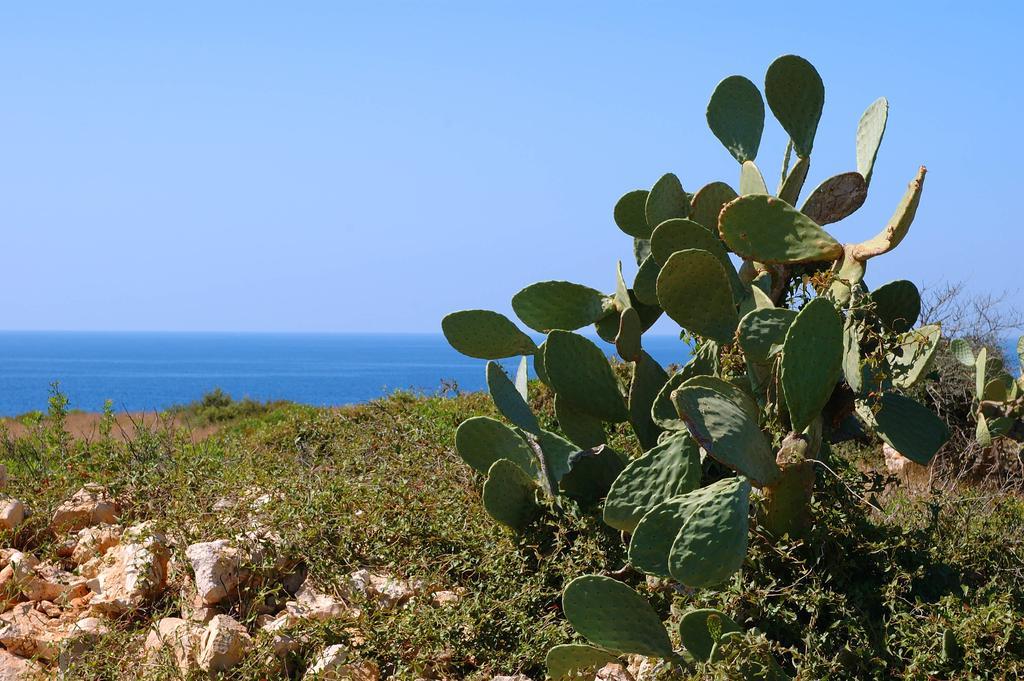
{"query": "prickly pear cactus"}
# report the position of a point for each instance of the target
(999, 397)
(787, 351)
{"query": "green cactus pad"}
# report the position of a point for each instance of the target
(836, 198)
(556, 450)
(789, 190)
(648, 380)
(509, 495)
(508, 400)
(751, 180)
(916, 354)
(663, 412)
(737, 395)
(851, 356)
(580, 371)
(712, 542)
(796, 96)
(666, 200)
(695, 291)
(769, 230)
(523, 378)
(641, 249)
(736, 117)
(645, 286)
(572, 660)
(584, 430)
(980, 368)
(673, 236)
(909, 427)
(668, 470)
(549, 305)
(591, 474)
(627, 341)
(653, 536)
(611, 615)
(481, 441)
(631, 214)
(762, 332)
(707, 204)
(699, 630)
(963, 353)
(898, 305)
(1020, 354)
(727, 432)
(538, 366)
(870, 130)
(812, 361)
(899, 224)
(485, 335)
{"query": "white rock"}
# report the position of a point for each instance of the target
(177, 636)
(14, 668)
(45, 581)
(385, 590)
(312, 604)
(217, 568)
(330, 665)
(12, 513)
(81, 636)
(222, 644)
(445, 598)
(894, 461)
(132, 573)
(28, 632)
(94, 542)
(91, 505)
(613, 672)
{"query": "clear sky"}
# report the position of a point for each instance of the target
(371, 166)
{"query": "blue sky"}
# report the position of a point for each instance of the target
(372, 166)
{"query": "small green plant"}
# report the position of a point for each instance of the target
(999, 397)
(791, 353)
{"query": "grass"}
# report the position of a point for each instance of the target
(377, 485)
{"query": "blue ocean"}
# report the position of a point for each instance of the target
(152, 371)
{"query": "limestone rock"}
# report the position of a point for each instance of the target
(81, 636)
(28, 632)
(222, 644)
(176, 636)
(132, 572)
(91, 505)
(312, 604)
(93, 542)
(517, 677)
(330, 665)
(46, 582)
(447, 598)
(12, 513)
(217, 567)
(385, 590)
(613, 672)
(896, 462)
(14, 668)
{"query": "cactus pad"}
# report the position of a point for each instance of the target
(485, 335)
(916, 353)
(579, 371)
(627, 341)
(673, 236)
(648, 380)
(653, 536)
(584, 430)
(812, 361)
(762, 332)
(572, 660)
(611, 615)
(591, 474)
(707, 204)
(909, 427)
(961, 349)
(836, 198)
(508, 400)
(898, 304)
(631, 216)
(666, 200)
(789, 190)
(899, 224)
(712, 542)
(481, 441)
(510, 495)
(695, 291)
(870, 130)
(556, 450)
(751, 180)
(769, 230)
(564, 305)
(727, 432)
(668, 470)
(699, 630)
(736, 117)
(663, 412)
(796, 96)
(645, 286)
